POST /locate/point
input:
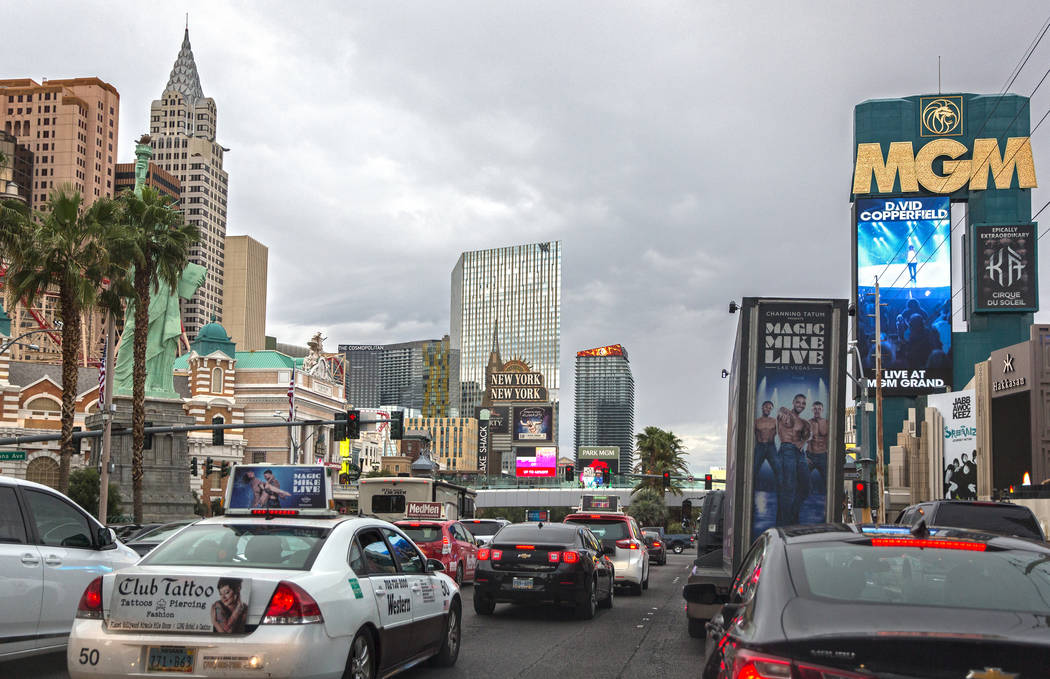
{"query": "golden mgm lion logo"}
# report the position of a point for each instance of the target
(941, 116)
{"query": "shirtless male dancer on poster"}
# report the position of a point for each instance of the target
(765, 444)
(792, 484)
(817, 448)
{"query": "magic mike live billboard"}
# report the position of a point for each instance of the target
(905, 244)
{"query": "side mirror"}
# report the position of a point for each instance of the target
(434, 565)
(106, 538)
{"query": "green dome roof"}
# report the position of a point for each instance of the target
(213, 331)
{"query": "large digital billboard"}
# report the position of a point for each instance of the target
(1005, 268)
(536, 461)
(534, 424)
(906, 244)
(597, 464)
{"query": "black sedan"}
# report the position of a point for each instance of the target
(657, 548)
(557, 563)
(867, 602)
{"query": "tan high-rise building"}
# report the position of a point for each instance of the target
(244, 292)
(182, 128)
(71, 129)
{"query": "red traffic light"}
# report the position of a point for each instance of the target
(351, 415)
(859, 486)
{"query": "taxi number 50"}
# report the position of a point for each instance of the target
(89, 656)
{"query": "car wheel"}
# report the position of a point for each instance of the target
(645, 583)
(484, 605)
(446, 657)
(607, 602)
(697, 628)
(586, 609)
(636, 589)
(678, 548)
(459, 575)
(361, 663)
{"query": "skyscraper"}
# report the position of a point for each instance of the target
(421, 377)
(182, 128)
(244, 291)
(605, 401)
(514, 292)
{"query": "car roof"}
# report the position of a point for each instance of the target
(483, 521)
(426, 522)
(27, 483)
(840, 532)
(290, 521)
(597, 515)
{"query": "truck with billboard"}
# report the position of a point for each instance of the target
(787, 390)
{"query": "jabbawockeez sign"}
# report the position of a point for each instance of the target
(960, 443)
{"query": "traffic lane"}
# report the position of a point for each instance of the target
(640, 636)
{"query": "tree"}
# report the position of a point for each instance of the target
(66, 248)
(84, 489)
(659, 451)
(647, 505)
(159, 250)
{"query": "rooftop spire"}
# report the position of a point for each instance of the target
(184, 78)
(495, 338)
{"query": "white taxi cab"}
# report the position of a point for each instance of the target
(280, 586)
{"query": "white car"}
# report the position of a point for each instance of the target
(50, 549)
(278, 595)
(631, 557)
(483, 529)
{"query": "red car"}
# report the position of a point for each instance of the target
(448, 542)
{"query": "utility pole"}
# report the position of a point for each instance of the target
(107, 418)
(878, 405)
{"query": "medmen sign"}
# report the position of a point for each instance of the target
(1005, 267)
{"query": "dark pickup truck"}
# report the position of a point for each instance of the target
(676, 542)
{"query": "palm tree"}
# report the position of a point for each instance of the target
(659, 451)
(64, 248)
(159, 250)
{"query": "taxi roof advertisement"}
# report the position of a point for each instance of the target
(260, 486)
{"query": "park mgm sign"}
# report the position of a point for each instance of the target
(941, 118)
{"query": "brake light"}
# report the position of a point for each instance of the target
(483, 554)
(570, 557)
(446, 546)
(275, 512)
(415, 525)
(656, 543)
(524, 547)
(90, 606)
(497, 554)
(291, 605)
(962, 545)
(627, 543)
(595, 516)
(749, 665)
(554, 557)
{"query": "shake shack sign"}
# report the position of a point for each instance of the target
(517, 387)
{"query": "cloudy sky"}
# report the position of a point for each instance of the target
(685, 153)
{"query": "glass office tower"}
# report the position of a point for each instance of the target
(514, 292)
(605, 401)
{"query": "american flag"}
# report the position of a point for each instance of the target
(291, 397)
(102, 377)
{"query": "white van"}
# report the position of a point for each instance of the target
(50, 549)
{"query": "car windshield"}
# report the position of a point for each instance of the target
(160, 533)
(241, 546)
(605, 529)
(650, 535)
(483, 528)
(997, 518)
(420, 534)
(1006, 580)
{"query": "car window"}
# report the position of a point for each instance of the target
(605, 529)
(12, 527)
(484, 528)
(241, 546)
(1002, 518)
(57, 523)
(457, 533)
(421, 534)
(372, 556)
(407, 555)
(388, 504)
(746, 581)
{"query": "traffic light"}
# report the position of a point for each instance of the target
(667, 479)
(353, 424)
(225, 469)
(217, 435)
(209, 466)
(397, 425)
(708, 482)
(860, 494)
(687, 510)
(147, 441)
(193, 467)
(570, 473)
(339, 433)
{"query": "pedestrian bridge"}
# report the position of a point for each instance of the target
(544, 497)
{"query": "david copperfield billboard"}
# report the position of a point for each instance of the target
(792, 398)
(905, 244)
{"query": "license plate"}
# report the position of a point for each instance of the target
(522, 583)
(171, 659)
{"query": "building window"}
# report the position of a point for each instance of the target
(216, 381)
(43, 470)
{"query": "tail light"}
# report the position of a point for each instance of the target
(446, 546)
(483, 554)
(929, 544)
(90, 606)
(291, 605)
(627, 543)
(656, 543)
(554, 557)
(751, 665)
(497, 554)
(570, 557)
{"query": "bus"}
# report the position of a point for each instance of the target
(392, 497)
